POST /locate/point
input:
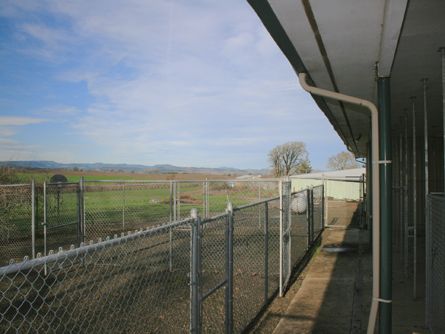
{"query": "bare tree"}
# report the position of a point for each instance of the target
(290, 158)
(342, 160)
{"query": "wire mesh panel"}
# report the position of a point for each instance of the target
(248, 265)
(15, 222)
(112, 207)
(189, 195)
(62, 215)
(273, 246)
(122, 285)
(213, 273)
(285, 261)
(219, 193)
(317, 209)
(436, 264)
(299, 208)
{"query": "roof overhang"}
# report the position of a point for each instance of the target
(344, 45)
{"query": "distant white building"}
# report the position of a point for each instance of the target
(340, 184)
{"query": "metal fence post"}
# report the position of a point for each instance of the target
(266, 252)
(281, 236)
(229, 270)
(123, 207)
(171, 202)
(323, 222)
(195, 298)
(308, 217)
(33, 218)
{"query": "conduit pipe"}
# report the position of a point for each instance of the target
(375, 188)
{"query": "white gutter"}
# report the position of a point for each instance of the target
(375, 188)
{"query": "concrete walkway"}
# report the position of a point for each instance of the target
(335, 294)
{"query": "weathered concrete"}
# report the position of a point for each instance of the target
(332, 298)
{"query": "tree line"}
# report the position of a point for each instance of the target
(293, 158)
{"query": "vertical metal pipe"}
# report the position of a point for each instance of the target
(414, 176)
(229, 270)
(170, 250)
(171, 201)
(308, 218)
(123, 207)
(33, 218)
(426, 189)
(281, 239)
(401, 191)
(178, 199)
(326, 201)
(45, 213)
(84, 210)
(406, 199)
(442, 51)
(266, 252)
(195, 301)
(45, 238)
(174, 201)
(385, 157)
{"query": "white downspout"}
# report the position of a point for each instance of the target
(375, 187)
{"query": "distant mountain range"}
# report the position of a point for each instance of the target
(98, 166)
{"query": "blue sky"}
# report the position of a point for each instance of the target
(190, 83)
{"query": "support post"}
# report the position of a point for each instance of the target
(442, 51)
(414, 176)
(195, 297)
(266, 252)
(33, 218)
(229, 270)
(385, 157)
(281, 238)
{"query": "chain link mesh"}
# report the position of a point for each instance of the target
(62, 215)
(213, 273)
(436, 264)
(317, 211)
(117, 207)
(141, 282)
(15, 222)
(120, 285)
(299, 230)
(219, 193)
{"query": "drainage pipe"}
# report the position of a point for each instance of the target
(375, 187)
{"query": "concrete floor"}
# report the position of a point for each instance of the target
(335, 294)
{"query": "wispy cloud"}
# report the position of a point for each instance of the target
(168, 81)
(19, 121)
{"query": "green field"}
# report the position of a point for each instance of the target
(109, 208)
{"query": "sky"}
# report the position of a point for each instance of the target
(183, 82)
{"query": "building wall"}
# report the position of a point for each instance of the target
(335, 189)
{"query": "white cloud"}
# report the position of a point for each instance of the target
(19, 121)
(171, 76)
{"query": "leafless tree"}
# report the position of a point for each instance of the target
(290, 158)
(342, 160)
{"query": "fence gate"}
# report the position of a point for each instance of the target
(285, 235)
(435, 269)
(62, 223)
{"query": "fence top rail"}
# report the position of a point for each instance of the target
(183, 181)
(27, 264)
(328, 179)
(15, 185)
(62, 183)
(241, 207)
(214, 218)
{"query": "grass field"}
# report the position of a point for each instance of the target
(110, 208)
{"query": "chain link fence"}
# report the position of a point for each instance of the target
(16, 221)
(435, 264)
(38, 218)
(211, 275)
